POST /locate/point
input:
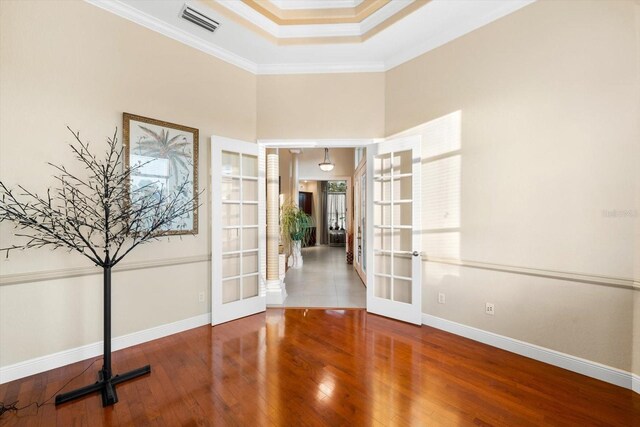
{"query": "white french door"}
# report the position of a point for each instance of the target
(394, 287)
(237, 197)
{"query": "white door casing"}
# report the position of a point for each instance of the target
(394, 287)
(237, 199)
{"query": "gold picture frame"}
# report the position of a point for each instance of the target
(169, 155)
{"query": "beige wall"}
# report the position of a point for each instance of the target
(308, 168)
(549, 98)
(70, 63)
(321, 106)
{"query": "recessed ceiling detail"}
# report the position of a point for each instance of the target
(308, 16)
(316, 23)
(395, 31)
(316, 4)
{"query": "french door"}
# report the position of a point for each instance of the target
(394, 287)
(237, 195)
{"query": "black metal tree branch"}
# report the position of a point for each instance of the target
(100, 217)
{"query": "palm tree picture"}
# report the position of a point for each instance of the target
(163, 145)
(168, 155)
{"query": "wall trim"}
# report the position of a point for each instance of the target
(65, 273)
(320, 68)
(453, 33)
(317, 143)
(66, 357)
(556, 358)
(617, 282)
(134, 15)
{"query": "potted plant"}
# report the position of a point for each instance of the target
(295, 231)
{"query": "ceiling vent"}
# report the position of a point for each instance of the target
(200, 19)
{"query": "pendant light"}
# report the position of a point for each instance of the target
(326, 165)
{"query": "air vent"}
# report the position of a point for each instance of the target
(200, 19)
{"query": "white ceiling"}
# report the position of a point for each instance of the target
(430, 26)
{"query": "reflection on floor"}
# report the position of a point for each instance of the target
(325, 280)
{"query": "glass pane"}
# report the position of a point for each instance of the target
(402, 290)
(382, 165)
(381, 191)
(249, 165)
(402, 213)
(382, 239)
(250, 263)
(249, 238)
(382, 215)
(230, 290)
(402, 265)
(250, 286)
(230, 188)
(230, 163)
(402, 188)
(382, 263)
(382, 287)
(230, 214)
(230, 239)
(249, 190)
(250, 214)
(230, 265)
(402, 162)
(402, 240)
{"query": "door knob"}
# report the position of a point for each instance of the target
(415, 253)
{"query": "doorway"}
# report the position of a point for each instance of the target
(392, 226)
(324, 277)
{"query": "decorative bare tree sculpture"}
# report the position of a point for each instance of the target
(100, 217)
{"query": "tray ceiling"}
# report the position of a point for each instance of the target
(316, 36)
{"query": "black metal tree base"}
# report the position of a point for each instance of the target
(106, 383)
(106, 387)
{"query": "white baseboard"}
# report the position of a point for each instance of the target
(572, 363)
(66, 357)
(276, 292)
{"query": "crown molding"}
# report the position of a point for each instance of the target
(317, 143)
(134, 15)
(454, 32)
(319, 68)
(315, 4)
(315, 30)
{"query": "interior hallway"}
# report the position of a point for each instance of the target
(325, 280)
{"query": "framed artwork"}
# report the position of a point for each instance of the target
(168, 154)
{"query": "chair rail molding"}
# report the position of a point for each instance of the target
(65, 273)
(593, 279)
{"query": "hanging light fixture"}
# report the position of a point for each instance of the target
(326, 165)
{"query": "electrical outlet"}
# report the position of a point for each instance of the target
(441, 298)
(201, 297)
(490, 309)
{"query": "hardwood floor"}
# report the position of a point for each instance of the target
(294, 367)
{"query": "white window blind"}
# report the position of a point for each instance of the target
(441, 173)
